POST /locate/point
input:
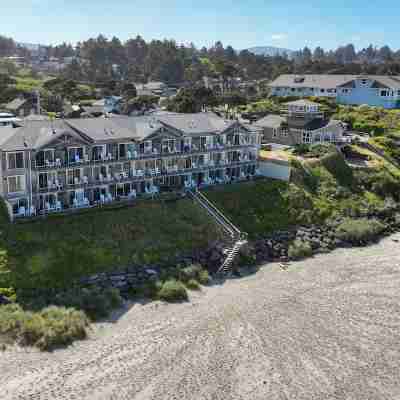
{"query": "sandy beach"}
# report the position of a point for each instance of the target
(324, 328)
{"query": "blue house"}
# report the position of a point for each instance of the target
(374, 90)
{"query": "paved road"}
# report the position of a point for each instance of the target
(326, 328)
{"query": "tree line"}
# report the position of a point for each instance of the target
(102, 59)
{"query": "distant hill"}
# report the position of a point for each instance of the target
(29, 46)
(270, 51)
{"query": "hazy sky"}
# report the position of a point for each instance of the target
(292, 24)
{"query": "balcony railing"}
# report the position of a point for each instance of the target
(58, 163)
(138, 176)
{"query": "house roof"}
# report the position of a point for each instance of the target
(16, 104)
(153, 85)
(302, 103)
(271, 121)
(37, 134)
(100, 129)
(319, 123)
(326, 81)
(323, 81)
(196, 123)
(32, 135)
(99, 103)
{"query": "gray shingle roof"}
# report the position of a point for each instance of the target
(36, 134)
(105, 129)
(311, 80)
(16, 103)
(326, 81)
(32, 135)
(196, 123)
(271, 121)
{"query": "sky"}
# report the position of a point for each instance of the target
(290, 24)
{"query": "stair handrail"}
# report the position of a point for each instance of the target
(227, 221)
(216, 215)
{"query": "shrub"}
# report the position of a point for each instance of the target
(336, 165)
(299, 249)
(9, 293)
(96, 303)
(358, 230)
(204, 277)
(193, 285)
(173, 291)
(52, 327)
(191, 272)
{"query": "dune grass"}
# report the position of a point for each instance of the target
(54, 252)
(51, 327)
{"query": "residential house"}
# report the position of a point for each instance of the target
(109, 104)
(153, 88)
(379, 91)
(373, 90)
(300, 122)
(22, 107)
(51, 166)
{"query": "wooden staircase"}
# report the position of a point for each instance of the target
(237, 237)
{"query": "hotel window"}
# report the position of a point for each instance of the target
(75, 154)
(15, 160)
(274, 132)
(284, 132)
(73, 176)
(364, 81)
(398, 93)
(122, 153)
(345, 91)
(306, 137)
(97, 152)
(322, 90)
(384, 93)
(16, 183)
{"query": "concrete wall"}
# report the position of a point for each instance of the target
(274, 169)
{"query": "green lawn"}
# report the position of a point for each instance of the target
(257, 207)
(56, 250)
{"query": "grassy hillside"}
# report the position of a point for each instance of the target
(320, 189)
(54, 251)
